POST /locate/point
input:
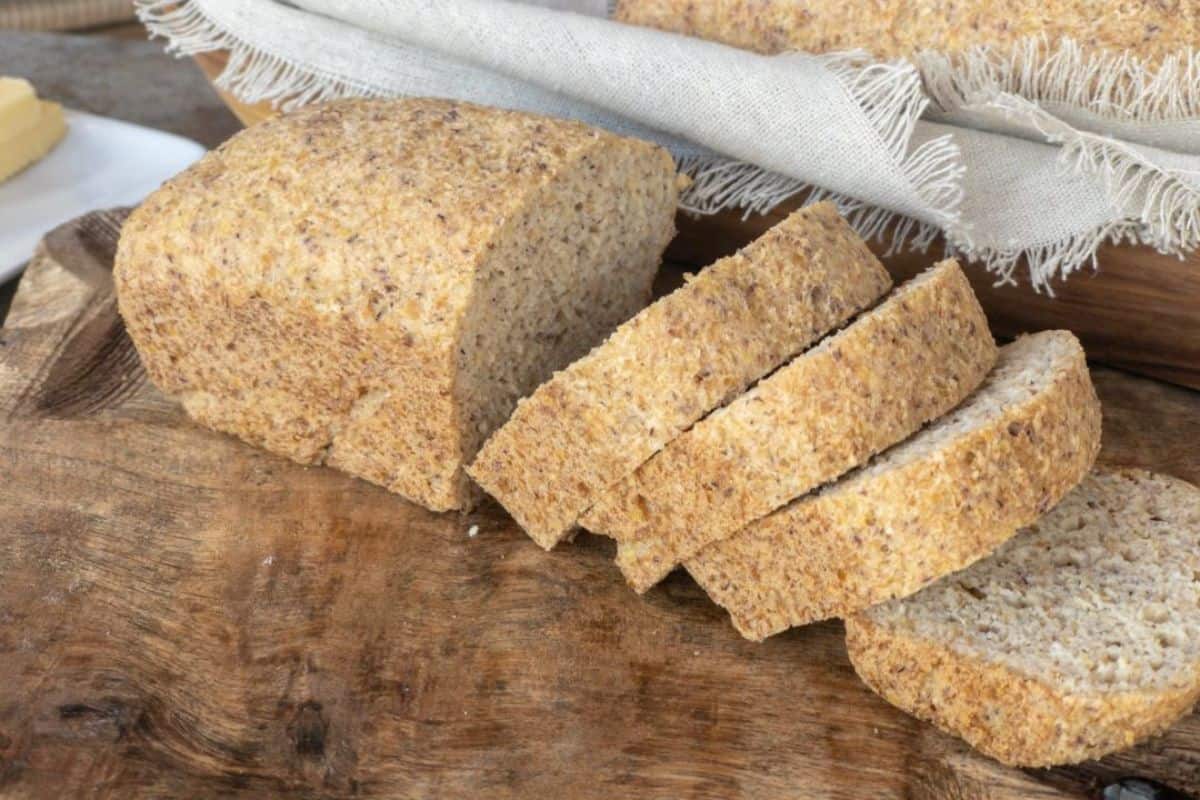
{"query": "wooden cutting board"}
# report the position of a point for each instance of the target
(182, 615)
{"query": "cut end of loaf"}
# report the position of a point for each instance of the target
(1078, 637)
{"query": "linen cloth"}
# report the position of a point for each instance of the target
(1044, 158)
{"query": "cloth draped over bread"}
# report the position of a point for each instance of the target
(1028, 155)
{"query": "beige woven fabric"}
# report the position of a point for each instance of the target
(62, 15)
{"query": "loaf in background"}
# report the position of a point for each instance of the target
(371, 284)
(898, 28)
(1079, 637)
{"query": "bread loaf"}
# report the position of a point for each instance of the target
(931, 505)
(895, 368)
(898, 28)
(371, 284)
(1078, 637)
(596, 421)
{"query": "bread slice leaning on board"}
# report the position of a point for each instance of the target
(1079, 637)
(371, 284)
(931, 505)
(599, 419)
(896, 367)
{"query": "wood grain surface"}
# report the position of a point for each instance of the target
(1139, 310)
(182, 615)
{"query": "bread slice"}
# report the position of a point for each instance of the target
(1078, 637)
(900, 365)
(371, 284)
(931, 505)
(599, 419)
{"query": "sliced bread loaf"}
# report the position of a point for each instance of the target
(372, 284)
(1078, 637)
(900, 365)
(931, 505)
(596, 421)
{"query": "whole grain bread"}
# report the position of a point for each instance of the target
(895, 368)
(929, 506)
(899, 28)
(371, 284)
(596, 421)
(1078, 637)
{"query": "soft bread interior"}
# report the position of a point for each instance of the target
(578, 261)
(1102, 595)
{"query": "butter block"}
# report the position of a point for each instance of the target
(18, 105)
(29, 128)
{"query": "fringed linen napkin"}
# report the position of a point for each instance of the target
(1042, 153)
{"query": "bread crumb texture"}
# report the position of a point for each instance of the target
(895, 368)
(1079, 637)
(926, 507)
(598, 420)
(371, 284)
(898, 28)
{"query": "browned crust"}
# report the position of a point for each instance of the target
(897, 28)
(1013, 718)
(836, 553)
(598, 420)
(894, 369)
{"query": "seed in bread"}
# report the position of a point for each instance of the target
(929, 506)
(1079, 637)
(596, 421)
(895, 368)
(371, 284)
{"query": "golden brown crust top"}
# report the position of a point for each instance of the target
(379, 208)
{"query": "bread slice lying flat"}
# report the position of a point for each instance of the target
(371, 284)
(895, 368)
(1078, 637)
(600, 418)
(931, 505)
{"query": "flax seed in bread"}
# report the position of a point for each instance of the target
(929, 506)
(895, 368)
(1078, 637)
(596, 421)
(371, 284)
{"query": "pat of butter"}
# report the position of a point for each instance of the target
(29, 127)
